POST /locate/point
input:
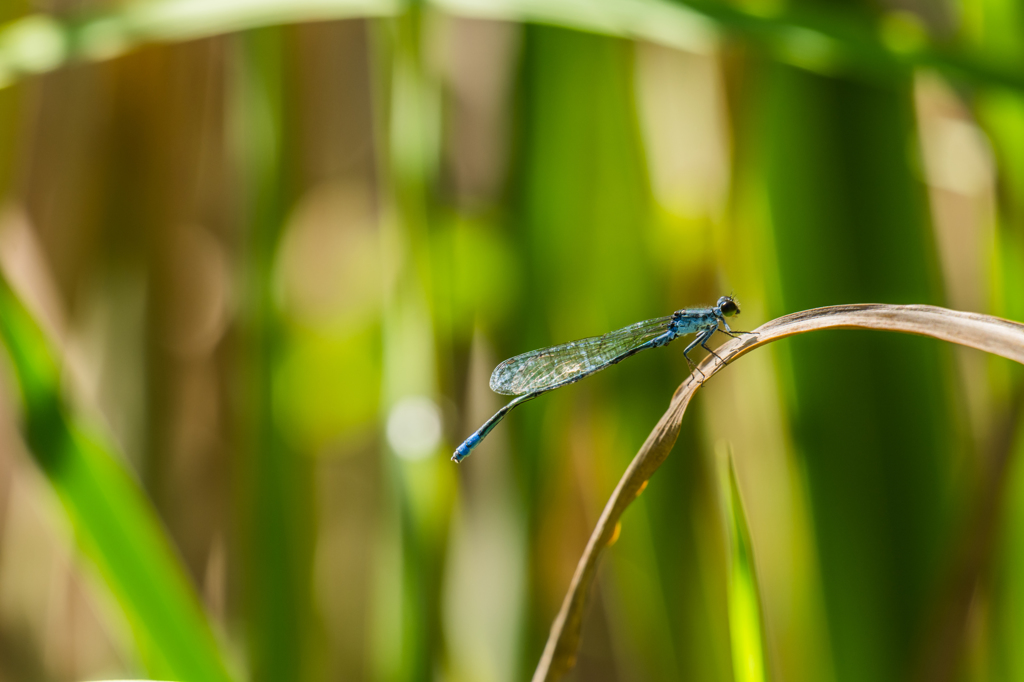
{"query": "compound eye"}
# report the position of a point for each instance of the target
(728, 306)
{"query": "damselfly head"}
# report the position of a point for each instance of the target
(728, 306)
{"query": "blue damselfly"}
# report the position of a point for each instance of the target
(539, 371)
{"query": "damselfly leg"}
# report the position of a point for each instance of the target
(734, 333)
(701, 339)
(704, 345)
(728, 332)
(723, 327)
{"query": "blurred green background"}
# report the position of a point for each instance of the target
(259, 258)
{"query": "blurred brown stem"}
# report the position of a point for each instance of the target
(943, 642)
(983, 332)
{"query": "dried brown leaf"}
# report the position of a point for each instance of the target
(984, 332)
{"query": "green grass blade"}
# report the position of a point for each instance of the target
(113, 521)
(849, 223)
(275, 497)
(745, 619)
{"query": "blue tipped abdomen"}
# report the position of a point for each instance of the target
(463, 450)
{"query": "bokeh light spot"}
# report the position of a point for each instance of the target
(414, 427)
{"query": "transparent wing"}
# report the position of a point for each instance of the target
(547, 367)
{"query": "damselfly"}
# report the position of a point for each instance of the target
(539, 371)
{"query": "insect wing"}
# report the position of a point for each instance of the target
(547, 367)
